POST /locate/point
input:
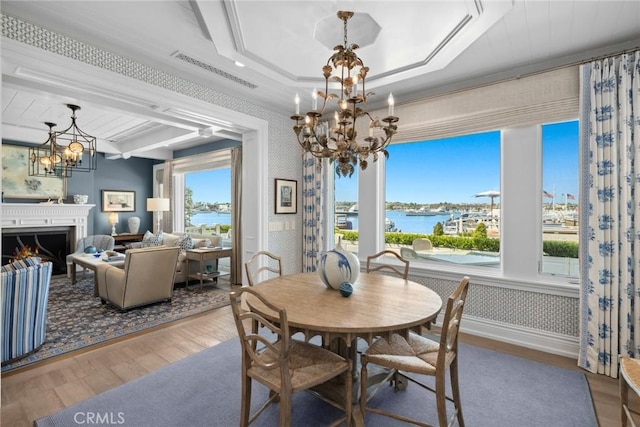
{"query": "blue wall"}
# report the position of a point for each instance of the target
(133, 174)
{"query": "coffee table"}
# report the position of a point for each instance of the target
(89, 261)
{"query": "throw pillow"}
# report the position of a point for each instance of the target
(201, 243)
(184, 242)
(150, 239)
(170, 239)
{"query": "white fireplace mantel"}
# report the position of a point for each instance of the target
(23, 215)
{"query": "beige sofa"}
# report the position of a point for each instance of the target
(199, 241)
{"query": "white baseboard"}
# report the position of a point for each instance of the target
(548, 342)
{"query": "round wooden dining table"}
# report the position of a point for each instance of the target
(379, 305)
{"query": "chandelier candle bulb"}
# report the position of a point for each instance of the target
(391, 104)
(297, 101)
(314, 96)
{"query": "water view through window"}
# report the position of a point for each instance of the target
(448, 191)
(208, 201)
(560, 199)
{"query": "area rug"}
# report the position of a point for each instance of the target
(204, 390)
(76, 319)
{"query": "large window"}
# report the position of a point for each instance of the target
(346, 209)
(446, 191)
(510, 203)
(201, 192)
(501, 203)
(207, 204)
(560, 199)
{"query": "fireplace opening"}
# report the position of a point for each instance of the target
(51, 244)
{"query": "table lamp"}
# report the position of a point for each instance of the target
(113, 220)
(158, 204)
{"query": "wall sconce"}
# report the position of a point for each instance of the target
(157, 205)
(113, 220)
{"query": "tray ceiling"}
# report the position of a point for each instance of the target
(413, 48)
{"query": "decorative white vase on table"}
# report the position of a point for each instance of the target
(337, 266)
(134, 224)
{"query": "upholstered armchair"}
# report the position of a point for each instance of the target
(99, 241)
(147, 277)
(25, 293)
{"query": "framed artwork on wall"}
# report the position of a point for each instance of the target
(118, 201)
(286, 196)
(16, 182)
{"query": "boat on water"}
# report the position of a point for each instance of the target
(344, 223)
(351, 211)
(423, 211)
(417, 213)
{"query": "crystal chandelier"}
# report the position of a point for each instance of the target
(64, 152)
(337, 140)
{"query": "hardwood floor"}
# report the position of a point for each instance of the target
(32, 393)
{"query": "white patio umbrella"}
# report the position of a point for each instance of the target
(492, 194)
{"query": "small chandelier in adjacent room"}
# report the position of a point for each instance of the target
(336, 138)
(64, 152)
(45, 159)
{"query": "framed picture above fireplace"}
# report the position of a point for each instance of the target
(118, 201)
(16, 182)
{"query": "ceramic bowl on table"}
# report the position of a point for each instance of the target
(80, 199)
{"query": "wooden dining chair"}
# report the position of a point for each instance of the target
(394, 269)
(404, 273)
(262, 261)
(629, 379)
(420, 355)
(282, 364)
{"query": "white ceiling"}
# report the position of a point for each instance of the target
(413, 48)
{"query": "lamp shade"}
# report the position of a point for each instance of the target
(157, 204)
(112, 218)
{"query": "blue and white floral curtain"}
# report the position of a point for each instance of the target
(610, 290)
(317, 207)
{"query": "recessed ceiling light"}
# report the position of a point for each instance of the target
(239, 64)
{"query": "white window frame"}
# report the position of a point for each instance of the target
(518, 108)
(521, 183)
(196, 163)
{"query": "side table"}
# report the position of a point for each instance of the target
(201, 255)
(121, 241)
